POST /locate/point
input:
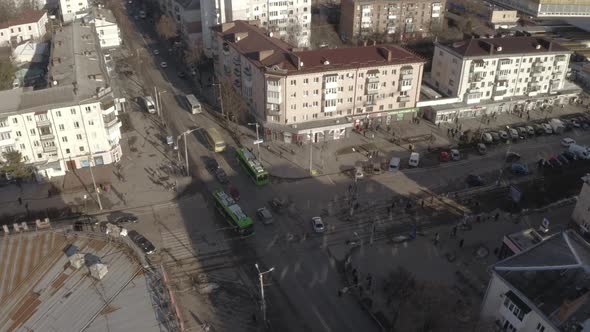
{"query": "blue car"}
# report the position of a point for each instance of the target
(520, 169)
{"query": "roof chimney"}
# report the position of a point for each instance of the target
(386, 53)
(239, 36)
(295, 60)
(264, 54)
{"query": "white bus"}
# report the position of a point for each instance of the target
(193, 104)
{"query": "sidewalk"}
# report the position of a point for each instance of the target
(331, 157)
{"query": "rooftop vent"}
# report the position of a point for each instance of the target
(98, 270)
(325, 61)
(499, 48)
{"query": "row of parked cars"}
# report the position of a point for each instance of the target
(553, 126)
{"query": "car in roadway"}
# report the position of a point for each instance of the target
(318, 224)
(512, 156)
(474, 180)
(264, 215)
(221, 175)
(181, 74)
(539, 130)
(566, 142)
(164, 64)
(143, 243)
(576, 123)
(519, 169)
(122, 218)
(358, 173)
(513, 134)
(211, 164)
(277, 204)
(495, 136)
(156, 52)
(569, 155)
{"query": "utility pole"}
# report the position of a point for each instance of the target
(156, 100)
(90, 160)
(185, 147)
(258, 140)
(261, 280)
(186, 155)
(310, 152)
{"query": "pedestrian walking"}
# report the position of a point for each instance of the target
(20, 201)
(436, 239)
(49, 193)
(461, 243)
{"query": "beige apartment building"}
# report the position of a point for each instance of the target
(397, 20)
(316, 95)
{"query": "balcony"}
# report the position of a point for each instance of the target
(476, 78)
(237, 61)
(273, 109)
(49, 148)
(504, 64)
(110, 120)
(560, 60)
(43, 123)
(248, 72)
(537, 69)
(237, 71)
(407, 76)
(478, 65)
(372, 79)
(372, 90)
(46, 137)
(403, 99)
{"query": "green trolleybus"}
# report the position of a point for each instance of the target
(252, 166)
(233, 214)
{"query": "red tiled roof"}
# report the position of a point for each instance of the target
(253, 40)
(30, 16)
(509, 45)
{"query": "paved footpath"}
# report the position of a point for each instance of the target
(332, 157)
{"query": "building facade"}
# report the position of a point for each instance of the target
(72, 9)
(398, 20)
(541, 289)
(106, 28)
(581, 214)
(495, 75)
(30, 25)
(320, 94)
(549, 8)
(187, 16)
(288, 20)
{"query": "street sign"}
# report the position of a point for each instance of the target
(258, 141)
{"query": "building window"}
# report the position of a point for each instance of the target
(67, 150)
(18, 134)
(64, 139)
(540, 328)
(76, 124)
(316, 79)
(4, 136)
(306, 81)
(29, 118)
(36, 143)
(61, 127)
(79, 137)
(87, 108)
(58, 113)
(33, 132)
(293, 82)
(81, 149)
(39, 155)
(73, 111)
(91, 122)
(14, 120)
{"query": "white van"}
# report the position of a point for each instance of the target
(414, 159)
(580, 151)
(394, 164)
(149, 104)
(193, 104)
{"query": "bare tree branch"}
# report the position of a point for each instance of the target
(166, 27)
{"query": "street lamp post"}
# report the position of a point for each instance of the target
(185, 146)
(258, 141)
(263, 301)
(90, 160)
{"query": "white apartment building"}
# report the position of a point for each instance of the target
(316, 95)
(72, 9)
(73, 123)
(29, 25)
(501, 74)
(106, 28)
(545, 288)
(288, 20)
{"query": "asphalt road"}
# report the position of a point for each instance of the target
(302, 293)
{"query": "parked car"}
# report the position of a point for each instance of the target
(513, 134)
(530, 130)
(566, 142)
(503, 134)
(487, 138)
(142, 242)
(318, 224)
(414, 160)
(474, 180)
(264, 215)
(495, 136)
(547, 128)
(122, 218)
(554, 162)
(512, 156)
(522, 131)
(519, 169)
(569, 155)
(221, 176)
(539, 130)
(576, 123)
(277, 204)
(156, 52)
(211, 164)
(562, 159)
(455, 154)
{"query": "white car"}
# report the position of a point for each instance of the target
(566, 142)
(156, 52)
(318, 224)
(163, 64)
(358, 173)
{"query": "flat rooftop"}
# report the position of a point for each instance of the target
(549, 274)
(41, 291)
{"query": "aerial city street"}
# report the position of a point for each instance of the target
(305, 165)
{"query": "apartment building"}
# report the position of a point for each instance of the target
(72, 9)
(398, 20)
(106, 28)
(512, 74)
(30, 25)
(71, 124)
(288, 20)
(581, 215)
(315, 95)
(549, 8)
(545, 288)
(187, 15)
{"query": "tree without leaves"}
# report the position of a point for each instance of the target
(14, 165)
(194, 55)
(232, 104)
(166, 27)
(294, 30)
(7, 71)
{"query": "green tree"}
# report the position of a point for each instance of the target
(14, 165)
(6, 75)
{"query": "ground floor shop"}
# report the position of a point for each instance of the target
(335, 129)
(521, 107)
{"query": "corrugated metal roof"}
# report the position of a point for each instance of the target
(41, 291)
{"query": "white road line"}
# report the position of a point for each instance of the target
(321, 319)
